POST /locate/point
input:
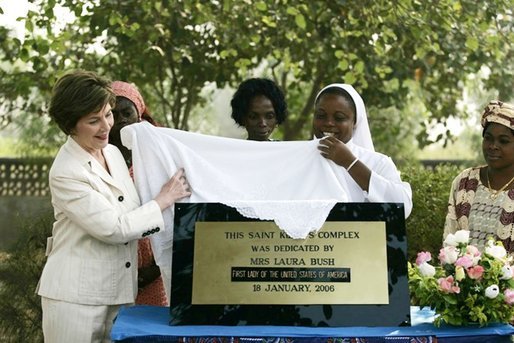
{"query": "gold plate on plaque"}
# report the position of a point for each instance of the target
(257, 263)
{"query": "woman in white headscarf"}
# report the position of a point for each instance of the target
(341, 123)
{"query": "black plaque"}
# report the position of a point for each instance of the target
(395, 311)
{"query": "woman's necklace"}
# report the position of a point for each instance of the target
(495, 193)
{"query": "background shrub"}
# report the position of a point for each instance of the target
(430, 192)
(20, 269)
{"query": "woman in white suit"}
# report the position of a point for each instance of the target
(91, 268)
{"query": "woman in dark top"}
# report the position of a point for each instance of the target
(259, 106)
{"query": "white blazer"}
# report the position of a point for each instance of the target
(92, 257)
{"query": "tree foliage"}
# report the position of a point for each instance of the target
(408, 58)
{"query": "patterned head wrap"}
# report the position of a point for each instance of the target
(130, 92)
(499, 112)
(361, 133)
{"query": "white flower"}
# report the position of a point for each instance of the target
(492, 291)
(506, 272)
(496, 251)
(450, 240)
(462, 236)
(426, 269)
(459, 237)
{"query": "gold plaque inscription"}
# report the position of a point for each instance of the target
(257, 263)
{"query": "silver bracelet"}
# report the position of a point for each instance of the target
(352, 164)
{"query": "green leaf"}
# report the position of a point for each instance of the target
(269, 21)
(339, 53)
(24, 55)
(300, 21)
(292, 11)
(57, 46)
(29, 26)
(43, 48)
(255, 38)
(243, 62)
(392, 85)
(227, 5)
(343, 65)
(350, 78)
(472, 43)
(113, 20)
(359, 67)
(261, 6)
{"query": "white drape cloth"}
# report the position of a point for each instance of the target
(288, 182)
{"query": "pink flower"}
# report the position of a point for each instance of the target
(509, 296)
(464, 261)
(448, 255)
(476, 272)
(423, 256)
(473, 251)
(447, 285)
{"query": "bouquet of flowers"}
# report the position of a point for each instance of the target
(467, 286)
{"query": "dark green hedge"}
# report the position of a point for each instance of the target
(20, 269)
(430, 192)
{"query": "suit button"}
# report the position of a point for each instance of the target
(120, 198)
(127, 264)
(126, 243)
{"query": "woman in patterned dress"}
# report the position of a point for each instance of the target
(130, 108)
(482, 198)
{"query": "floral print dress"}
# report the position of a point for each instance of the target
(472, 207)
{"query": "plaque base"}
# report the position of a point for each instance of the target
(232, 270)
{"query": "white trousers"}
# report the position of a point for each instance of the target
(68, 322)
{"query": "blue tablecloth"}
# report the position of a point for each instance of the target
(150, 324)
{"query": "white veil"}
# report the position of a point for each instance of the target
(361, 133)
